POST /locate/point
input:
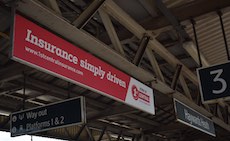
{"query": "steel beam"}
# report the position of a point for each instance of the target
(172, 19)
(115, 129)
(53, 5)
(67, 131)
(4, 35)
(176, 76)
(111, 111)
(89, 133)
(170, 127)
(102, 134)
(190, 47)
(108, 136)
(8, 73)
(58, 90)
(219, 113)
(10, 90)
(149, 5)
(155, 65)
(135, 28)
(79, 132)
(185, 87)
(143, 120)
(111, 32)
(115, 11)
(86, 15)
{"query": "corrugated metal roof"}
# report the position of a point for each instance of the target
(210, 36)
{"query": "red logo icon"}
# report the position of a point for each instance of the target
(135, 92)
(139, 95)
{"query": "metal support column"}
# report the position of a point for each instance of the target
(141, 49)
(196, 40)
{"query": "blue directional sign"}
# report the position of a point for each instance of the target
(62, 114)
(214, 82)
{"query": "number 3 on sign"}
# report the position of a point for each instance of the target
(219, 79)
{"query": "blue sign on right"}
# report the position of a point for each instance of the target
(214, 82)
(192, 118)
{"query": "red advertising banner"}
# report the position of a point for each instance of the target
(41, 49)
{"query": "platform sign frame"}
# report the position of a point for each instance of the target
(214, 83)
(37, 47)
(60, 114)
(192, 118)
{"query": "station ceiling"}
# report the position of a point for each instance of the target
(112, 30)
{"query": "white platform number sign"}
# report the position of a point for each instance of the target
(214, 82)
